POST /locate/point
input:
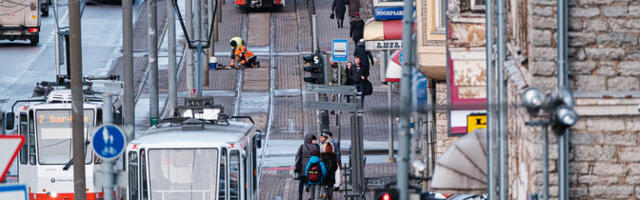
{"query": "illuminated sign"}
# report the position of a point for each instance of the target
(57, 117)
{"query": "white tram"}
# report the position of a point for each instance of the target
(200, 155)
(44, 161)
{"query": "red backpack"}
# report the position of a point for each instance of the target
(314, 173)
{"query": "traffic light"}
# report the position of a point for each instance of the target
(388, 193)
(314, 64)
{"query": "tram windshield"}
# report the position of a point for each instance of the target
(180, 174)
(54, 135)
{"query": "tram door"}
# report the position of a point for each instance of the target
(236, 187)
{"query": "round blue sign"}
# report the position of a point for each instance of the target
(109, 142)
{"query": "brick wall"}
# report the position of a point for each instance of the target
(603, 57)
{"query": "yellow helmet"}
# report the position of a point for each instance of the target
(235, 41)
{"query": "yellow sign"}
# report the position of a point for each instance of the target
(475, 121)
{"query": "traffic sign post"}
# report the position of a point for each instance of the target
(340, 51)
(109, 142)
(9, 147)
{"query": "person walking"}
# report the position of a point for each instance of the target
(305, 152)
(359, 76)
(354, 7)
(338, 8)
(338, 162)
(356, 28)
(366, 59)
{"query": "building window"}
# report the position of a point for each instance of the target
(441, 16)
(477, 5)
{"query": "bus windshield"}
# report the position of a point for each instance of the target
(53, 128)
(178, 174)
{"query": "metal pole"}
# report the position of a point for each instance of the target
(503, 159)
(77, 99)
(57, 38)
(545, 167)
(189, 53)
(432, 127)
(210, 51)
(314, 33)
(563, 140)
(405, 101)
(390, 119)
(173, 89)
(491, 109)
(107, 165)
(198, 36)
(127, 46)
(153, 61)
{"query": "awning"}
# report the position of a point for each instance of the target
(463, 167)
(383, 35)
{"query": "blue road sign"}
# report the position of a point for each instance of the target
(13, 192)
(340, 52)
(388, 13)
(109, 142)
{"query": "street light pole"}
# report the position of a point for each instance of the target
(405, 101)
(128, 112)
(153, 61)
(77, 99)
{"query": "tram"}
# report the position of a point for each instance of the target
(258, 4)
(45, 160)
(200, 154)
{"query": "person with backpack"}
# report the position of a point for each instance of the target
(315, 172)
(308, 149)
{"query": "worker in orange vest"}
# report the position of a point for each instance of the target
(241, 56)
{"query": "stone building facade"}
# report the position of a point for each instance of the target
(604, 73)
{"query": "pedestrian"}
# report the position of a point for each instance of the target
(315, 173)
(338, 9)
(304, 154)
(328, 156)
(366, 59)
(234, 43)
(338, 161)
(354, 7)
(356, 28)
(359, 76)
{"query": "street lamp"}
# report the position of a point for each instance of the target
(532, 99)
(565, 116)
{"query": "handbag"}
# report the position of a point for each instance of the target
(367, 88)
(332, 16)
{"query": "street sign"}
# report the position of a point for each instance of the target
(13, 192)
(9, 147)
(340, 51)
(323, 105)
(388, 13)
(332, 89)
(476, 121)
(109, 142)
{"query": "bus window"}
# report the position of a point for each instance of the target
(223, 175)
(23, 131)
(133, 175)
(32, 140)
(234, 175)
(143, 174)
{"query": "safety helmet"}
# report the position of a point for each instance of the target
(235, 41)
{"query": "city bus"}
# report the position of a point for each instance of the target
(199, 155)
(44, 161)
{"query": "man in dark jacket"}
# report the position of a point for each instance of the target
(339, 8)
(359, 75)
(356, 29)
(305, 151)
(366, 59)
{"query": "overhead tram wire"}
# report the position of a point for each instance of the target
(184, 29)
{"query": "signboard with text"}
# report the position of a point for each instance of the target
(388, 13)
(340, 51)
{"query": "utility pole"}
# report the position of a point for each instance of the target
(171, 40)
(563, 139)
(189, 61)
(405, 101)
(107, 165)
(491, 108)
(127, 51)
(503, 167)
(390, 118)
(77, 99)
(198, 39)
(153, 61)
(207, 22)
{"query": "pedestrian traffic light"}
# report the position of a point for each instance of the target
(388, 193)
(314, 64)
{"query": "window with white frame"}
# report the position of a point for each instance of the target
(441, 16)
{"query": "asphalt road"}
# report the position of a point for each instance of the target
(24, 65)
